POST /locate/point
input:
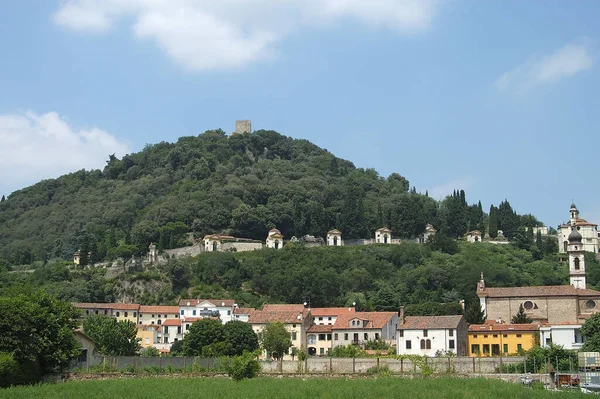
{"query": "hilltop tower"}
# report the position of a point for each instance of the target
(244, 126)
(576, 258)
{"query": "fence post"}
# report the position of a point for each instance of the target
(525, 366)
(474, 370)
(501, 366)
(377, 362)
(402, 365)
(160, 362)
(330, 365)
(353, 365)
(306, 365)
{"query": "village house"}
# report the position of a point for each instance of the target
(499, 339)
(427, 234)
(295, 318)
(319, 337)
(274, 239)
(242, 314)
(359, 327)
(201, 308)
(91, 309)
(157, 314)
(567, 335)
(88, 348)
(473, 236)
(588, 231)
(121, 311)
(147, 334)
(431, 335)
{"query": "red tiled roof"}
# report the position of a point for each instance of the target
(334, 232)
(579, 222)
(160, 309)
(320, 329)
(481, 328)
(117, 306)
(216, 302)
(320, 312)
(244, 311)
(538, 291)
(282, 316)
(283, 307)
(430, 322)
(153, 326)
(373, 319)
(172, 322)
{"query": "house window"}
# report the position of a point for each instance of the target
(88, 312)
(495, 336)
(159, 321)
(408, 344)
(182, 312)
(178, 329)
(152, 316)
(105, 311)
(428, 344)
(345, 336)
(366, 336)
(528, 305)
(495, 349)
(293, 326)
(321, 337)
(424, 333)
(376, 335)
(166, 329)
(475, 349)
(486, 349)
(504, 336)
(321, 351)
(312, 339)
(485, 336)
(518, 335)
(187, 327)
(576, 262)
(401, 333)
(328, 337)
(176, 315)
(590, 304)
(193, 312)
(451, 333)
(320, 319)
(147, 340)
(451, 344)
(505, 348)
(294, 335)
(134, 314)
(118, 314)
(519, 347)
(229, 313)
(335, 336)
(329, 318)
(475, 336)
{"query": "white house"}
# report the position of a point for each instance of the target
(474, 236)
(201, 308)
(567, 335)
(334, 238)
(588, 231)
(242, 314)
(274, 239)
(428, 335)
(358, 327)
(383, 236)
(429, 232)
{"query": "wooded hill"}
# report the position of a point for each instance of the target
(241, 185)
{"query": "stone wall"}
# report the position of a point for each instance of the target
(185, 251)
(240, 246)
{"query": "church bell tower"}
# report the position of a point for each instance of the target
(576, 259)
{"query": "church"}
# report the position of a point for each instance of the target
(588, 231)
(557, 307)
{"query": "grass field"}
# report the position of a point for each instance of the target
(360, 388)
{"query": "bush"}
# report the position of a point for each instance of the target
(13, 372)
(150, 352)
(244, 366)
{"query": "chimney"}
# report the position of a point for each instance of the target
(401, 315)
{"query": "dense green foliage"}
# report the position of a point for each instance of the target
(243, 366)
(296, 388)
(37, 333)
(591, 331)
(112, 337)
(521, 317)
(276, 340)
(211, 183)
(210, 338)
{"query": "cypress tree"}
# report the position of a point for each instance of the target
(493, 222)
(3, 199)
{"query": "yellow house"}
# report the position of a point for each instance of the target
(498, 339)
(147, 335)
(126, 311)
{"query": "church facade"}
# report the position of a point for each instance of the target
(588, 231)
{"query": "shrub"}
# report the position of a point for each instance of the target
(244, 366)
(382, 371)
(13, 372)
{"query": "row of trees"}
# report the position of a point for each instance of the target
(242, 185)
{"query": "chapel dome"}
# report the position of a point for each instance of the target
(575, 237)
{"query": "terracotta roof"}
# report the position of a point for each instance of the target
(373, 320)
(194, 319)
(320, 312)
(385, 229)
(275, 307)
(159, 309)
(117, 306)
(334, 232)
(319, 329)
(482, 328)
(282, 316)
(537, 291)
(153, 326)
(216, 302)
(243, 311)
(430, 322)
(172, 322)
(474, 232)
(579, 222)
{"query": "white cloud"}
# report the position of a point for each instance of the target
(440, 192)
(201, 34)
(564, 62)
(39, 146)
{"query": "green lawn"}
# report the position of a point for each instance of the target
(360, 388)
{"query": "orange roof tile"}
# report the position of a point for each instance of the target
(244, 311)
(283, 307)
(319, 329)
(373, 320)
(160, 309)
(282, 316)
(172, 322)
(537, 291)
(320, 312)
(430, 322)
(116, 306)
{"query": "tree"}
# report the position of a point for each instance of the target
(493, 222)
(276, 340)
(239, 337)
(521, 317)
(386, 300)
(150, 352)
(177, 348)
(591, 331)
(474, 314)
(38, 329)
(112, 337)
(205, 337)
(3, 199)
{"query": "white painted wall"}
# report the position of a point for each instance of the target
(440, 341)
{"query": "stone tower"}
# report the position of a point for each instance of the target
(243, 126)
(576, 259)
(574, 214)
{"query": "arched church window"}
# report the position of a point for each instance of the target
(576, 263)
(428, 344)
(590, 304)
(422, 344)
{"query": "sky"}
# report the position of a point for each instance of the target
(498, 98)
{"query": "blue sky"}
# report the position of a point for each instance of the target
(496, 97)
